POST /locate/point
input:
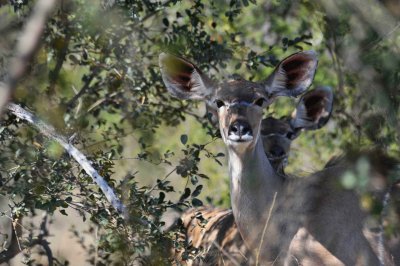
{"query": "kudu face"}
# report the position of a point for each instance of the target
(240, 109)
(312, 112)
(277, 136)
(238, 104)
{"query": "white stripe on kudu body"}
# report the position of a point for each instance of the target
(291, 221)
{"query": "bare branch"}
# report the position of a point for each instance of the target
(50, 132)
(85, 87)
(42, 241)
(15, 248)
(26, 48)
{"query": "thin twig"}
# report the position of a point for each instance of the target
(42, 241)
(15, 247)
(265, 229)
(14, 225)
(156, 184)
(155, 12)
(232, 259)
(85, 87)
(62, 53)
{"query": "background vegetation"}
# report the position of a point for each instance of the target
(96, 79)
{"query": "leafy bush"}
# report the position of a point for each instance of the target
(96, 79)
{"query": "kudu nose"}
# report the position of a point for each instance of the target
(277, 151)
(240, 128)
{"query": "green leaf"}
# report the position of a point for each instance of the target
(161, 198)
(197, 191)
(196, 202)
(185, 195)
(165, 22)
(184, 139)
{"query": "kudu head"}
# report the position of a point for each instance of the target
(239, 103)
(312, 112)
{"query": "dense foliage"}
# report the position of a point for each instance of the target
(96, 79)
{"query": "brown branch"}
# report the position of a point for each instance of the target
(62, 53)
(85, 87)
(43, 242)
(26, 48)
(15, 248)
(12, 251)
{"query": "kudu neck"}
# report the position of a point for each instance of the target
(254, 183)
(252, 176)
(251, 163)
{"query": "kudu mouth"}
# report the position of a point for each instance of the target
(240, 131)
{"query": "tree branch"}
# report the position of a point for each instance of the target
(15, 248)
(50, 132)
(62, 53)
(26, 48)
(85, 87)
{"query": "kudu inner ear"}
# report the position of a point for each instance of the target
(293, 75)
(183, 79)
(314, 109)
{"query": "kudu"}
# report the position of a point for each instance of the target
(213, 231)
(308, 221)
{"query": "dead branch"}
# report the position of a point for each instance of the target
(50, 132)
(15, 247)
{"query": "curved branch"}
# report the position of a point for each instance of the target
(50, 132)
(15, 248)
(12, 250)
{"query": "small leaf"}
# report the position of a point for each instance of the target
(165, 22)
(185, 195)
(218, 162)
(74, 59)
(194, 180)
(197, 202)
(197, 191)
(63, 212)
(161, 198)
(184, 139)
(203, 176)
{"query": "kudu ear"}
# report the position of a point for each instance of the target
(293, 75)
(313, 110)
(183, 79)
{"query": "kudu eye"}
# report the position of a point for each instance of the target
(259, 102)
(289, 135)
(219, 103)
